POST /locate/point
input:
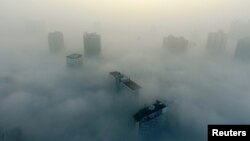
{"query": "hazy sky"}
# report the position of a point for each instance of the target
(128, 11)
(48, 102)
(183, 17)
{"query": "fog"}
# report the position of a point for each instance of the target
(48, 101)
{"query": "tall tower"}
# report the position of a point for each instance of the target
(216, 42)
(147, 120)
(123, 82)
(242, 51)
(56, 42)
(92, 44)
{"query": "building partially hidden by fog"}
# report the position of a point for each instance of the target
(147, 120)
(11, 135)
(216, 43)
(176, 45)
(242, 51)
(56, 42)
(92, 44)
(123, 82)
(74, 60)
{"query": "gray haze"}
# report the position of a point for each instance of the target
(49, 102)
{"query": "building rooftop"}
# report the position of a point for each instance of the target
(92, 34)
(125, 80)
(132, 85)
(147, 111)
(172, 37)
(116, 74)
(74, 56)
(55, 33)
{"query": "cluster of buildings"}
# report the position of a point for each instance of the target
(91, 42)
(148, 118)
(216, 43)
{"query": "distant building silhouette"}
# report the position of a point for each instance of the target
(176, 45)
(74, 60)
(148, 119)
(216, 43)
(124, 82)
(242, 51)
(92, 44)
(56, 42)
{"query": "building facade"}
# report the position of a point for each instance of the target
(216, 43)
(92, 44)
(122, 82)
(74, 60)
(56, 42)
(148, 120)
(242, 51)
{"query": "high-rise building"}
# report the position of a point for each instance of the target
(216, 43)
(242, 51)
(148, 120)
(124, 82)
(92, 44)
(176, 45)
(74, 60)
(56, 42)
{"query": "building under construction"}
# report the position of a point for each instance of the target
(124, 82)
(147, 120)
